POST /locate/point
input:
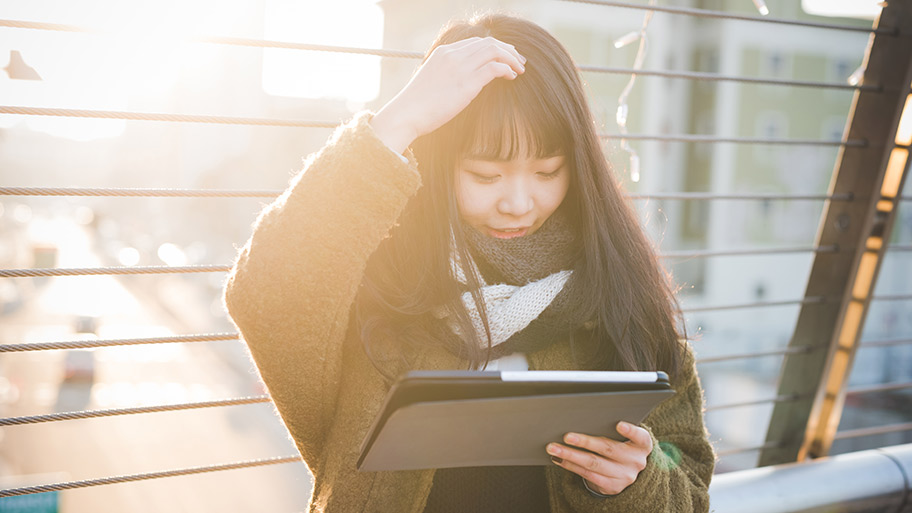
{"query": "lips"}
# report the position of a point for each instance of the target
(507, 233)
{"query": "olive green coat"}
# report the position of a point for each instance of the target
(290, 294)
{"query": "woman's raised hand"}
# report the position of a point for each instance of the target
(450, 78)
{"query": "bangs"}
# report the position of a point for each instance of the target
(508, 120)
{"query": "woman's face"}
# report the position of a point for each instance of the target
(511, 198)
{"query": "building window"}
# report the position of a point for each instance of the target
(776, 64)
(769, 125)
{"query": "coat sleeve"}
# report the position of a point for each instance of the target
(291, 290)
(678, 471)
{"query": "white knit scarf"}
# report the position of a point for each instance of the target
(509, 308)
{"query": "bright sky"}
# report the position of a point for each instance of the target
(868, 9)
(356, 23)
(143, 62)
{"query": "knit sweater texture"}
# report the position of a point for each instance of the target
(290, 294)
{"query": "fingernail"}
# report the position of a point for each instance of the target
(523, 60)
(623, 427)
(554, 449)
(557, 460)
(571, 439)
(522, 68)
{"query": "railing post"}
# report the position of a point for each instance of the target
(874, 175)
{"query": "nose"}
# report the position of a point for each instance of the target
(516, 200)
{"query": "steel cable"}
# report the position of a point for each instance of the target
(164, 269)
(213, 193)
(779, 399)
(739, 450)
(95, 271)
(704, 13)
(89, 344)
(91, 414)
(10, 492)
(884, 343)
(229, 120)
(261, 43)
(748, 252)
(699, 138)
(220, 40)
(706, 196)
(122, 192)
(879, 430)
(702, 76)
(883, 387)
(892, 298)
(42, 272)
(758, 304)
(760, 354)
(152, 116)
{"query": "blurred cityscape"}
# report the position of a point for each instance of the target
(149, 74)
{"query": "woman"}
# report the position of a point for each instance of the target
(471, 223)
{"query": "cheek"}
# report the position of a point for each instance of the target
(553, 195)
(470, 200)
(473, 203)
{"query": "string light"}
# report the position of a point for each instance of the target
(857, 76)
(623, 108)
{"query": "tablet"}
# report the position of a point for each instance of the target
(441, 419)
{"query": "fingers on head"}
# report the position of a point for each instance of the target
(495, 69)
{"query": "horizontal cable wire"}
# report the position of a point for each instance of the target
(10, 492)
(774, 400)
(160, 193)
(260, 43)
(883, 387)
(91, 414)
(707, 196)
(95, 271)
(748, 252)
(759, 304)
(884, 343)
(740, 450)
(761, 354)
(230, 120)
(715, 77)
(217, 193)
(152, 116)
(220, 40)
(879, 430)
(905, 297)
(165, 269)
(701, 138)
(89, 344)
(704, 13)
(899, 247)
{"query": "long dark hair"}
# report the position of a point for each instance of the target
(543, 112)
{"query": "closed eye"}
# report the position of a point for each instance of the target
(480, 178)
(550, 175)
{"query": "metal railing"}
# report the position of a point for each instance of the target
(878, 485)
(865, 481)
